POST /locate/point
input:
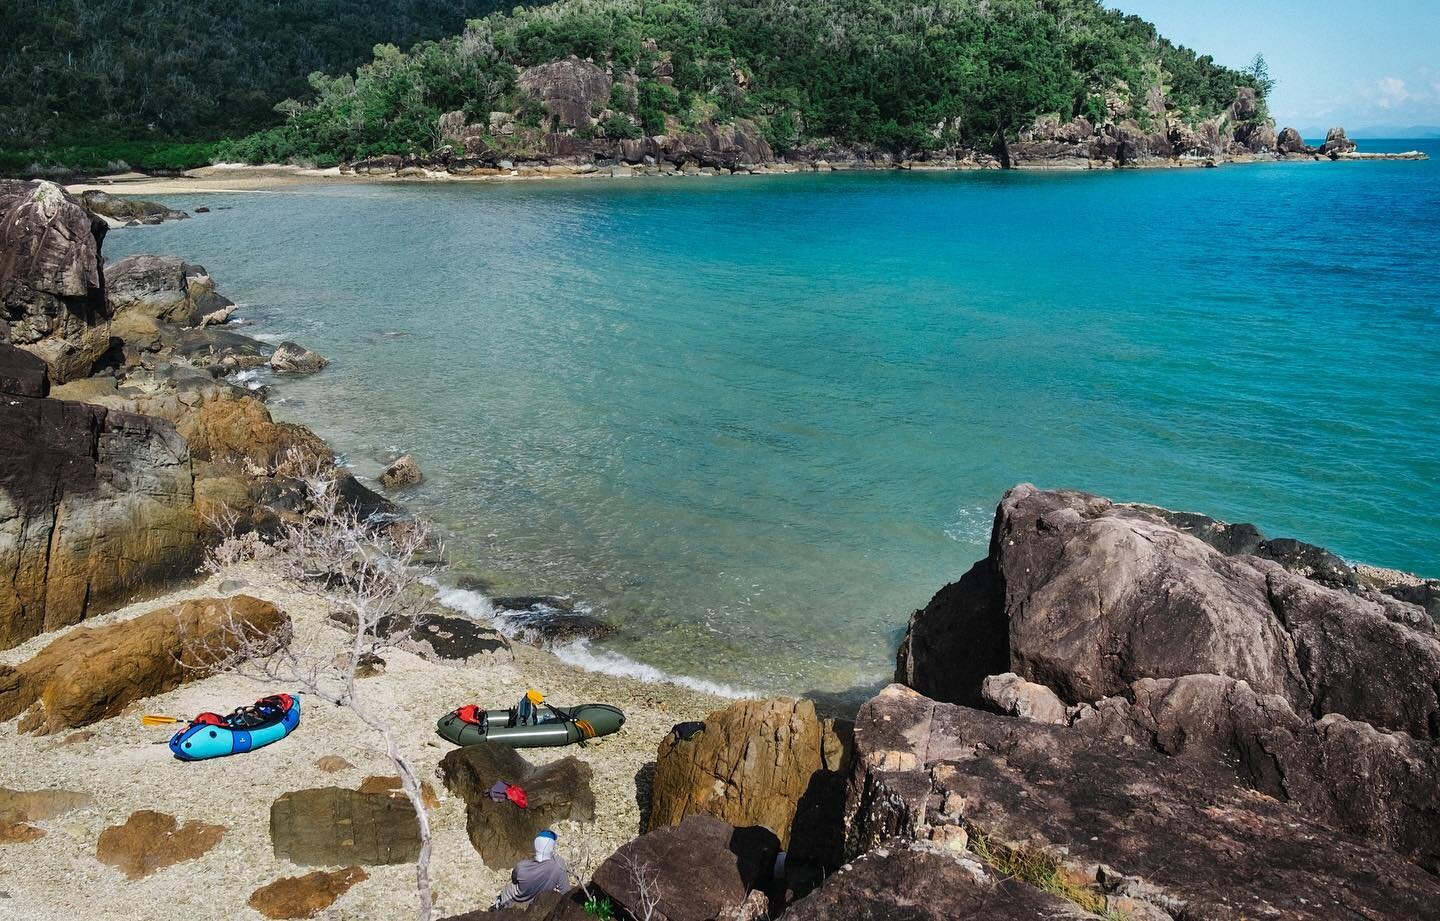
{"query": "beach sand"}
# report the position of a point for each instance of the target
(127, 767)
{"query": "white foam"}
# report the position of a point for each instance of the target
(607, 661)
(580, 653)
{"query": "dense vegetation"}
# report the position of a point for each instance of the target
(895, 73)
(91, 71)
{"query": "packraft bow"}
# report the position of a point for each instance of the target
(210, 735)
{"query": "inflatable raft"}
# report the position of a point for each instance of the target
(210, 735)
(535, 727)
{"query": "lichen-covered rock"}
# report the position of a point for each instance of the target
(694, 871)
(1176, 833)
(95, 507)
(290, 358)
(750, 765)
(52, 290)
(571, 90)
(305, 896)
(165, 288)
(149, 841)
(501, 832)
(92, 673)
(335, 827)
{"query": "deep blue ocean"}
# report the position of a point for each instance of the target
(755, 421)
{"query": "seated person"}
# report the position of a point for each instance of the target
(547, 872)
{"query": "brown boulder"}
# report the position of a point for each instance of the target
(305, 896)
(391, 785)
(242, 430)
(571, 90)
(501, 832)
(149, 841)
(750, 765)
(92, 673)
(1290, 142)
(332, 764)
(52, 300)
(694, 871)
(332, 827)
(164, 288)
(95, 507)
(1174, 834)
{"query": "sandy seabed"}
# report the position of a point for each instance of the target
(127, 766)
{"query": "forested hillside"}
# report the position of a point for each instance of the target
(92, 70)
(894, 73)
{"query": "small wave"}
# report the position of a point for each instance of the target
(580, 653)
(609, 662)
(971, 525)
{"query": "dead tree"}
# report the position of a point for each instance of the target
(369, 576)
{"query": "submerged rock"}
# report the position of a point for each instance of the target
(403, 472)
(290, 358)
(546, 621)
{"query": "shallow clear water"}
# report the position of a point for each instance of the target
(757, 420)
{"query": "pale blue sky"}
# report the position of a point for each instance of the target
(1339, 62)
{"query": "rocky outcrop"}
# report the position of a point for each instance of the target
(696, 871)
(750, 765)
(571, 90)
(290, 358)
(95, 507)
(1091, 596)
(149, 841)
(403, 472)
(1290, 142)
(128, 211)
(52, 292)
(1120, 821)
(165, 288)
(22, 374)
(1336, 144)
(501, 832)
(919, 881)
(92, 673)
(335, 827)
(305, 896)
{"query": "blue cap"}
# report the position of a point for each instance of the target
(547, 833)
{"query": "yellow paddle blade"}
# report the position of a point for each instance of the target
(586, 730)
(154, 719)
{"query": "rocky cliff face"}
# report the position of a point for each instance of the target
(95, 506)
(52, 293)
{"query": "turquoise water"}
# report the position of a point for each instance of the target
(756, 421)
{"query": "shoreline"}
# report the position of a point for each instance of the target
(273, 178)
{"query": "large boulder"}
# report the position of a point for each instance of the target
(52, 289)
(92, 673)
(1336, 143)
(128, 210)
(1290, 142)
(694, 871)
(290, 358)
(335, 827)
(501, 832)
(750, 765)
(149, 841)
(165, 288)
(571, 90)
(917, 881)
(242, 430)
(95, 507)
(1119, 820)
(1091, 596)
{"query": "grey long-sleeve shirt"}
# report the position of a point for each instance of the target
(532, 877)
